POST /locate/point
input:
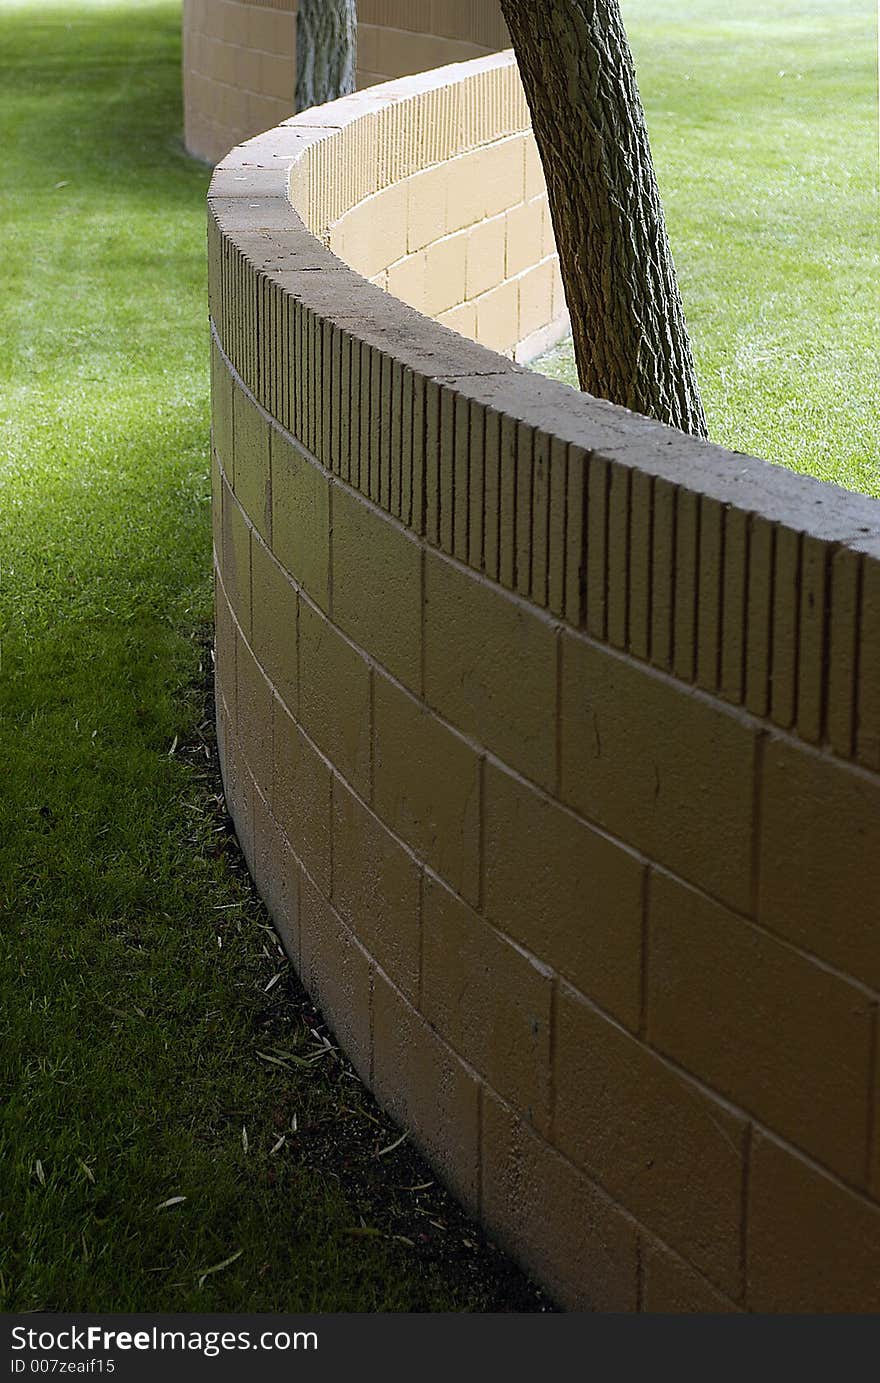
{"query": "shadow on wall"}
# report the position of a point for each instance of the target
(552, 737)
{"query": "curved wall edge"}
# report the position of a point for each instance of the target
(552, 738)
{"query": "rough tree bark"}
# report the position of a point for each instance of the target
(326, 49)
(631, 341)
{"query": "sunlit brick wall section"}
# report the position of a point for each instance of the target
(552, 737)
(444, 204)
(239, 57)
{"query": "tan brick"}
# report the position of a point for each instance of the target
(427, 786)
(502, 173)
(337, 973)
(376, 889)
(462, 319)
(465, 190)
(300, 518)
(276, 873)
(672, 1287)
(535, 299)
(335, 697)
(660, 766)
(566, 893)
(812, 1245)
(426, 1089)
(301, 796)
(760, 1024)
(820, 857)
(254, 715)
(535, 185)
(572, 1236)
(668, 1153)
(407, 280)
(250, 429)
(236, 564)
(445, 267)
(275, 603)
(523, 238)
(485, 256)
(377, 586)
(426, 207)
(472, 633)
(498, 317)
(221, 411)
(489, 1001)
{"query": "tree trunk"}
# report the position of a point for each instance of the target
(326, 49)
(630, 338)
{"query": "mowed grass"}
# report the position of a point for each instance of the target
(138, 979)
(763, 126)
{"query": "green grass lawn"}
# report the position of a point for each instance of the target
(763, 123)
(135, 967)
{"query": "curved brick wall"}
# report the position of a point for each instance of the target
(552, 737)
(239, 57)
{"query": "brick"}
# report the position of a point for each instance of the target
(535, 185)
(660, 766)
(427, 786)
(662, 576)
(465, 190)
(489, 1001)
(275, 608)
(224, 646)
(238, 793)
(820, 857)
(535, 299)
(764, 1026)
(221, 412)
(498, 317)
(236, 564)
(571, 897)
(485, 256)
(668, 1153)
(254, 715)
(216, 510)
(574, 1238)
(868, 706)
(335, 697)
(301, 796)
(473, 634)
(672, 1287)
(843, 655)
(502, 175)
(426, 206)
(812, 1245)
(445, 274)
(783, 666)
(426, 1089)
(338, 975)
(407, 280)
(277, 874)
(377, 586)
(300, 518)
(376, 889)
(759, 587)
(523, 238)
(250, 428)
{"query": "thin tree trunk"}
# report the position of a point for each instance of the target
(326, 50)
(631, 341)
